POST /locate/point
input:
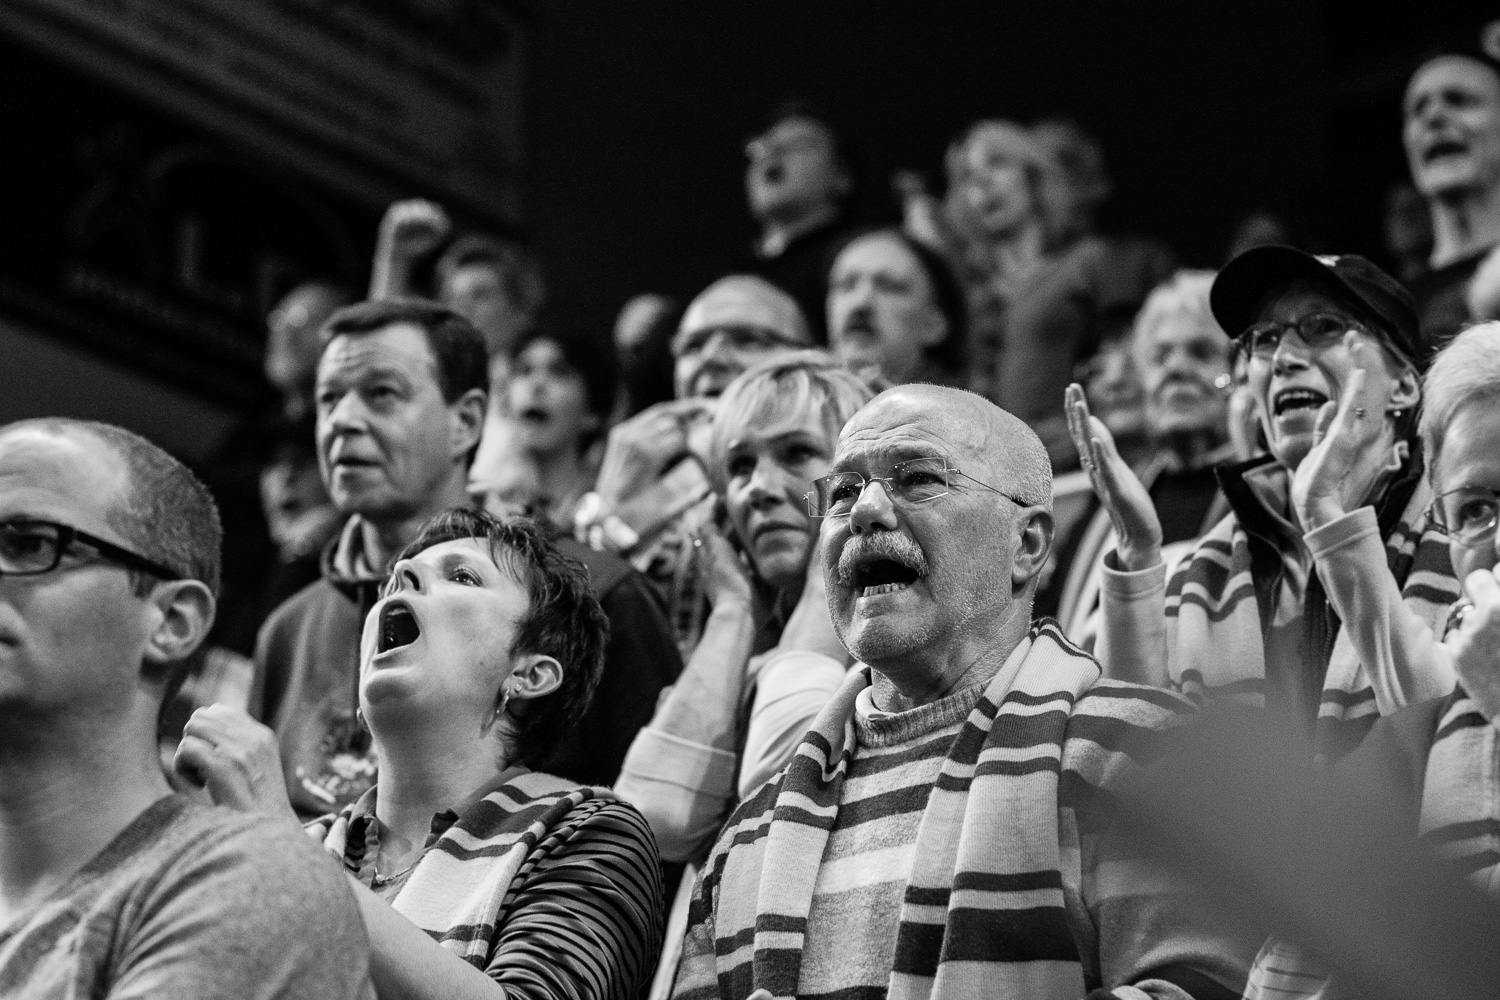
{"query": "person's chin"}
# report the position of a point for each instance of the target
(1291, 447)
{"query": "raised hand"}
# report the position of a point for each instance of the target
(409, 230)
(1355, 443)
(1475, 643)
(640, 449)
(238, 760)
(724, 573)
(1120, 491)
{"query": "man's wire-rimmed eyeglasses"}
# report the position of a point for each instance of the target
(915, 481)
(1467, 514)
(31, 548)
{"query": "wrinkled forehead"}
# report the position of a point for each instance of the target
(1454, 71)
(909, 424)
(880, 252)
(500, 564)
(399, 346)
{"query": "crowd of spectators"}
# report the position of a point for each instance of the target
(591, 666)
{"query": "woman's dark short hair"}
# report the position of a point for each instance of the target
(563, 619)
(593, 360)
(458, 348)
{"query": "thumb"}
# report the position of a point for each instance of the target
(1326, 414)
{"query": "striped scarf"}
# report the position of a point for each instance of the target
(1215, 637)
(465, 883)
(984, 912)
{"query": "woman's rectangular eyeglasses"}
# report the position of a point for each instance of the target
(914, 481)
(30, 548)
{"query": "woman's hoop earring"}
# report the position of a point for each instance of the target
(499, 708)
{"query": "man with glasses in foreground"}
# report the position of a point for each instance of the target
(937, 832)
(109, 882)
(1267, 607)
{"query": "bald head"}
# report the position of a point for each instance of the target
(734, 323)
(988, 443)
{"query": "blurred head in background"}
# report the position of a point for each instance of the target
(496, 285)
(797, 169)
(1184, 360)
(292, 344)
(643, 351)
(733, 324)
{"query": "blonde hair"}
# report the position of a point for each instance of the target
(1466, 371)
(805, 382)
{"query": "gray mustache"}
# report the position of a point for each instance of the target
(880, 545)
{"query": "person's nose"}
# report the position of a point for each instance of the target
(409, 575)
(348, 414)
(1290, 356)
(766, 487)
(873, 511)
(716, 349)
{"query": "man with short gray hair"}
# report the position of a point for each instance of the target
(110, 884)
(938, 833)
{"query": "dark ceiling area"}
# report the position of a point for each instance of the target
(638, 114)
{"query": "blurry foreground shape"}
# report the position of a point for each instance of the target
(1235, 806)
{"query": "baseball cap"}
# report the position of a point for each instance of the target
(1245, 281)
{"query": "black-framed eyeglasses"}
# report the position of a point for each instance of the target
(915, 481)
(744, 336)
(1317, 330)
(30, 548)
(1467, 514)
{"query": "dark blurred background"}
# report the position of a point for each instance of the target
(168, 180)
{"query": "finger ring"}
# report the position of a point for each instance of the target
(1359, 412)
(697, 543)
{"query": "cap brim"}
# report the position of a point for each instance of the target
(1244, 282)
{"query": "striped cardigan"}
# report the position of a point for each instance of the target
(1220, 596)
(544, 884)
(1453, 798)
(1008, 896)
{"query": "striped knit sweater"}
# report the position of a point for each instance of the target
(1224, 598)
(1012, 890)
(1453, 796)
(551, 888)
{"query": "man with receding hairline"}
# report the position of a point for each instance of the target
(940, 831)
(110, 884)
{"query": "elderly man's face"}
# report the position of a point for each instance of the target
(1466, 480)
(1294, 381)
(792, 169)
(386, 438)
(768, 469)
(1452, 130)
(72, 641)
(910, 580)
(1184, 365)
(882, 311)
(723, 333)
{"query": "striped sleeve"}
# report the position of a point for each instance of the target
(587, 919)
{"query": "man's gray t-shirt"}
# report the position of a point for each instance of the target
(193, 901)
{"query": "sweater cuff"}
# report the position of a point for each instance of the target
(1354, 526)
(1131, 584)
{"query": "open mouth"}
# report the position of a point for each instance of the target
(534, 415)
(398, 627)
(1288, 400)
(883, 576)
(1444, 148)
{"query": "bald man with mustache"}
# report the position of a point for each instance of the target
(937, 832)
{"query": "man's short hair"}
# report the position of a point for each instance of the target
(563, 619)
(806, 382)
(1466, 371)
(456, 346)
(166, 514)
(788, 326)
(845, 155)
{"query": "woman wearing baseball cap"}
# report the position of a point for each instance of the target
(1270, 608)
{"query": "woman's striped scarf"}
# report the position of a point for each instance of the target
(1215, 644)
(464, 884)
(1460, 822)
(984, 912)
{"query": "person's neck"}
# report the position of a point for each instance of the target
(777, 230)
(1014, 252)
(383, 538)
(1190, 450)
(1463, 224)
(424, 770)
(68, 788)
(562, 474)
(934, 675)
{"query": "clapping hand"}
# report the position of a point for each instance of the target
(1475, 642)
(1137, 527)
(238, 760)
(1354, 445)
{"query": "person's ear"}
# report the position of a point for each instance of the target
(1033, 545)
(1407, 392)
(185, 612)
(534, 675)
(466, 417)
